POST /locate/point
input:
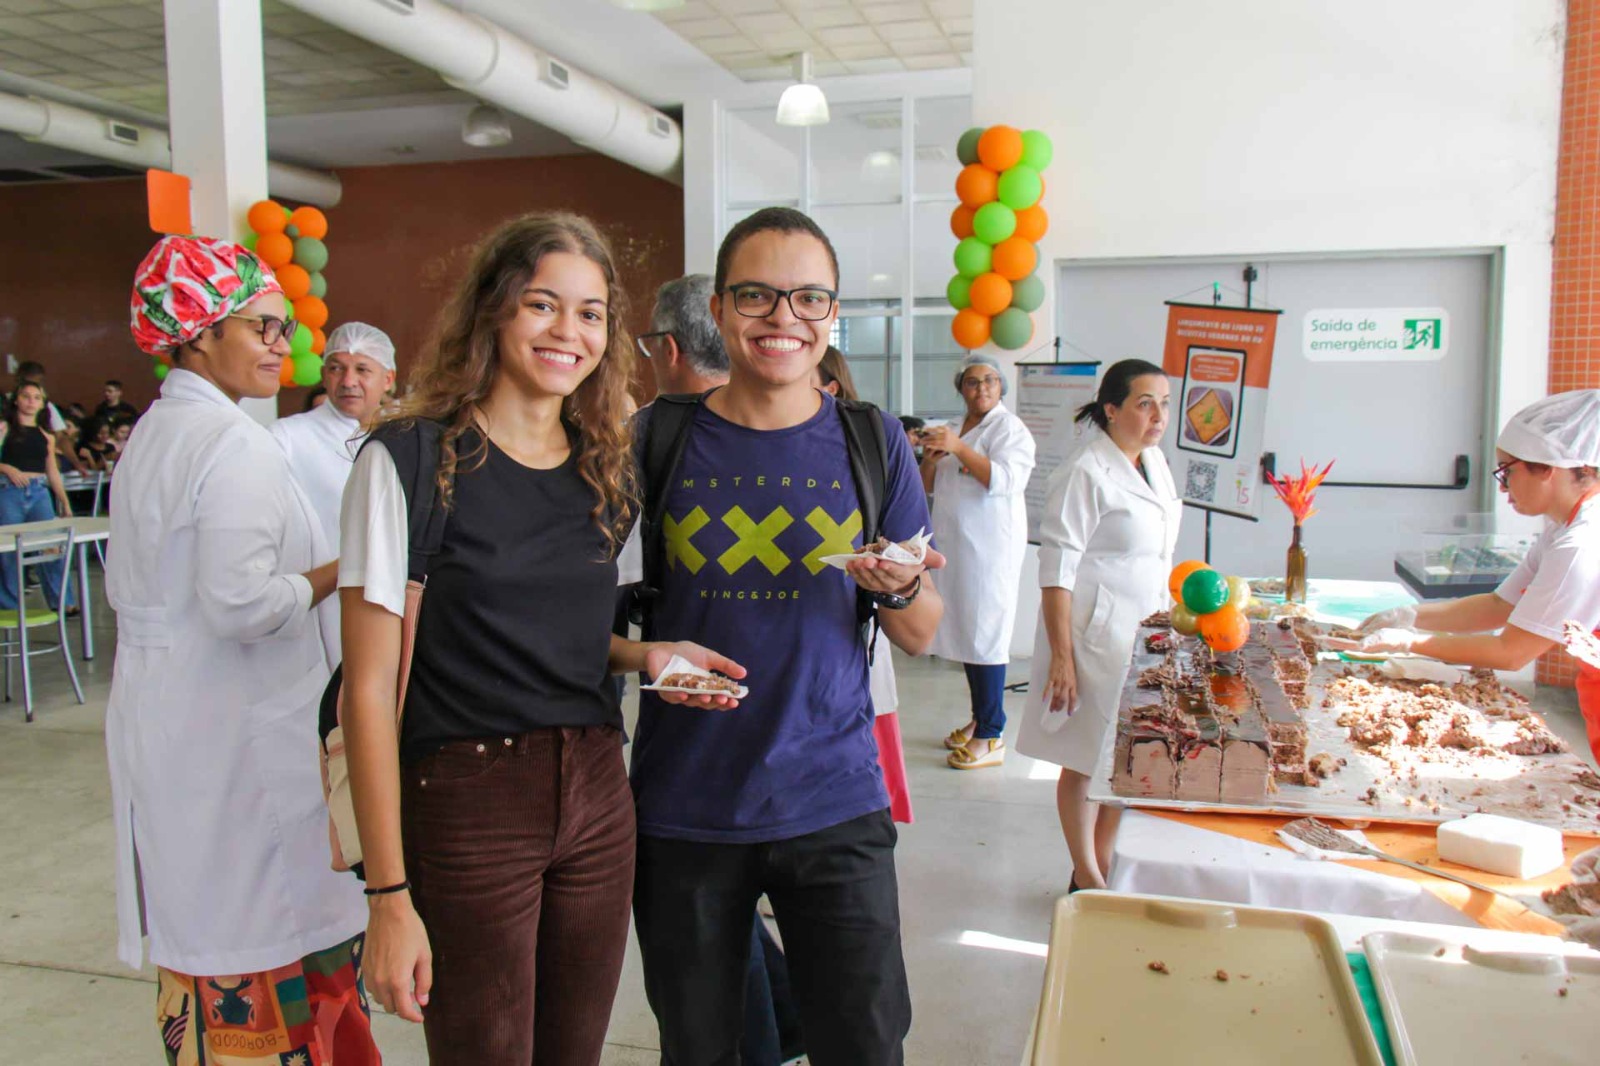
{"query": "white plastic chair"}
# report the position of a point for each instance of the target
(51, 544)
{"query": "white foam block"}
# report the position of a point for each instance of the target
(1504, 846)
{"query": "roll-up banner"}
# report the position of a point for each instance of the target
(1220, 362)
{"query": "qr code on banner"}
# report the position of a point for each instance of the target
(1200, 484)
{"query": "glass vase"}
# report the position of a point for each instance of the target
(1294, 582)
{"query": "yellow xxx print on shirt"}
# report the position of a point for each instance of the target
(756, 539)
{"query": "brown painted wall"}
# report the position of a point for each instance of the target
(399, 238)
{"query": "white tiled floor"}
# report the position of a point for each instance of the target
(985, 856)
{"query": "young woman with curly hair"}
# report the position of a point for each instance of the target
(496, 824)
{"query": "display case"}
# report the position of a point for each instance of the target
(1458, 555)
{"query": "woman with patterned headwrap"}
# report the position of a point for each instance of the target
(221, 829)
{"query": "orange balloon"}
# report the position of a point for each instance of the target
(970, 329)
(286, 374)
(295, 280)
(275, 249)
(312, 311)
(1032, 223)
(1000, 147)
(990, 294)
(1180, 574)
(319, 341)
(961, 221)
(266, 216)
(977, 185)
(1225, 629)
(310, 222)
(1015, 258)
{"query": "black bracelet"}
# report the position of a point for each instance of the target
(401, 887)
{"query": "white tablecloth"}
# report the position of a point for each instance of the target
(1157, 856)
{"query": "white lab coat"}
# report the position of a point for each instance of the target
(321, 445)
(1108, 536)
(983, 533)
(211, 729)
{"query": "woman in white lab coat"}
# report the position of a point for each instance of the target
(1548, 456)
(221, 829)
(977, 476)
(1106, 539)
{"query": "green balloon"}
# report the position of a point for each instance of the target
(288, 212)
(1205, 591)
(1011, 329)
(291, 232)
(300, 343)
(973, 257)
(1037, 151)
(307, 369)
(161, 369)
(1020, 187)
(250, 241)
(967, 146)
(994, 222)
(310, 253)
(1027, 294)
(319, 284)
(958, 292)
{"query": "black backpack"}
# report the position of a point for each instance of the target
(661, 449)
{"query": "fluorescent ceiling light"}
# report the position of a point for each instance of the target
(486, 127)
(648, 5)
(802, 104)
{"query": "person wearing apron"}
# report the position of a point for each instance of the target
(1109, 527)
(1547, 455)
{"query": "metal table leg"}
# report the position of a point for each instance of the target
(85, 612)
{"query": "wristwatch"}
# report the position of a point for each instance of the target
(894, 601)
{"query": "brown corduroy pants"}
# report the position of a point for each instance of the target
(520, 852)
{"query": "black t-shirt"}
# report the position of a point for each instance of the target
(515, 627)
(26, 449)
(121, 411)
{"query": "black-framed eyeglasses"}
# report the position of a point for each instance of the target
(272, 328)
(653, 345)
(755, 300)
(1502, 473)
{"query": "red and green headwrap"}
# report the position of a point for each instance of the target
(187, 284)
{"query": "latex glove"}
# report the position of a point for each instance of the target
(1394, 618)
(1390, 641)
(1579, 927)
(1586, 867)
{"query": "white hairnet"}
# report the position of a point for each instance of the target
(976, 359)
(358, 338)
(1561, 430)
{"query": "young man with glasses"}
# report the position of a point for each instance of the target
(784, 794)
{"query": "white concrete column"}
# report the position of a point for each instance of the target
(217, 110)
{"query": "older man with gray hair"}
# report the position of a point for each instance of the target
(684, 346)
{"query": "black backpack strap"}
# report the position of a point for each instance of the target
(415, 450)
(869, 465)
(659, 450)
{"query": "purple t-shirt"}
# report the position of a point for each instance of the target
(747, 518)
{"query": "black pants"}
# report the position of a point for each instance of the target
(836, 899)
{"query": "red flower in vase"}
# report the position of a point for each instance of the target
(1299, 494)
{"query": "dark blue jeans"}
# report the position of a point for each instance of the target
(771, 1025)
(988, 687)
(29, 503)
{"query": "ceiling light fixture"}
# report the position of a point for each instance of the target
(802, 104)
(648, 5)
(486, 126)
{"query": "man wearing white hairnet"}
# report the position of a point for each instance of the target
(1547, 455)
(357, 371)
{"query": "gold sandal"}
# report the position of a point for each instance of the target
(964, 758)
(958, 738)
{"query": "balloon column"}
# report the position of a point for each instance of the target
(1209, 604)
(291, 243)
(998, 223)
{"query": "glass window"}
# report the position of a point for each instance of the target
(937, 357)
(870, 343)
(932, 264)
(940, 122)
(870, 240)
(855, 157)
